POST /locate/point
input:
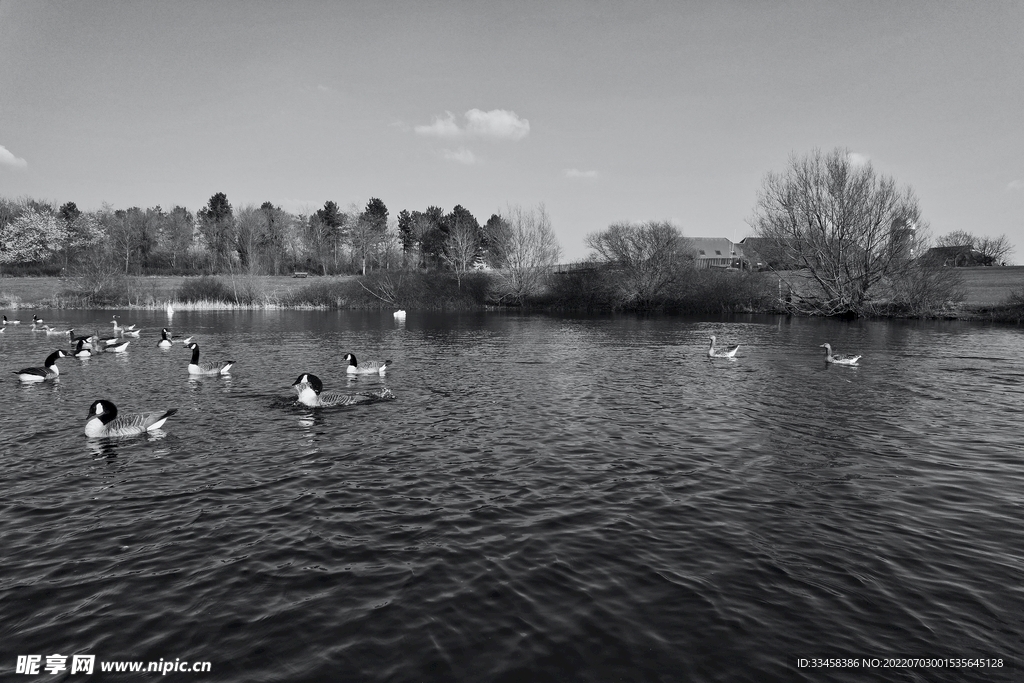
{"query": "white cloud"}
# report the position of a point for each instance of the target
(442, 128)
(461, 155)
(858, 159)
(576, 173)
(497, 124)
(8, 159)
(1014, 184)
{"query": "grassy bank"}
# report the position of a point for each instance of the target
(991, 294)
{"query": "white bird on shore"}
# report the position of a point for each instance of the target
(729, 352)
(838, 358)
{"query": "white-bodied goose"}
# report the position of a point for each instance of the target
(104, 421)
(311, 393)
(48, 371)
(370, 367)
(729, 352)
(839, 358)
(209, 368)
(118, 346)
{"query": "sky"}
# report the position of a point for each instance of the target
(601, 111)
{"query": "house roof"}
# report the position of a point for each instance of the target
(715, 247)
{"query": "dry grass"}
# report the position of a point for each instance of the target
(41, 292)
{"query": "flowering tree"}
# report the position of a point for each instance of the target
(32, 237)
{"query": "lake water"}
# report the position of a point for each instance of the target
(546, 499)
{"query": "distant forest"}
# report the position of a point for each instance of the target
(40, 238)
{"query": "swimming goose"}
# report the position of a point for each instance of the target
(118, 346)
(730, 352)
(370, 367)
(11, 322)
(36, 320)
(104, 421)
(49, 371)
(126, 330)
(80, 350)
(77, 338)
(164, 343)
(311, 393)
(838, 358)
(208, 368)
(53, 332)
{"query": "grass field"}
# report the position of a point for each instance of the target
(991, 286)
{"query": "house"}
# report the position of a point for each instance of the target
(956, 256)
(717, 252)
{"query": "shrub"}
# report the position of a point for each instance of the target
(396, 289)
(204, 288)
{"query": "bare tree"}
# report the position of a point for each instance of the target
(644, 259)
(525, 253)
(460, 248)
(845, 227)
(992, 250)
(996, 250)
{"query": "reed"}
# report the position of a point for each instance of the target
(8, 300)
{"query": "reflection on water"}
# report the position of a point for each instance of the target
(577, 498)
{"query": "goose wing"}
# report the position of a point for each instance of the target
(339, 398)
(137, 423)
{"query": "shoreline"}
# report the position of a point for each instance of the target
(987, 294)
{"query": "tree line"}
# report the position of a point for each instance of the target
(843, 239)
(43, 238)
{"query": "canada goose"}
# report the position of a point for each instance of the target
(118, 346)
(80, 350)
(104, 421)
(838, 358)
(370, 367)
(48, 371)
(729, 352)
(208, 368)
(164, 343)
(311, 393)
(76, 338)
(11, 322)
